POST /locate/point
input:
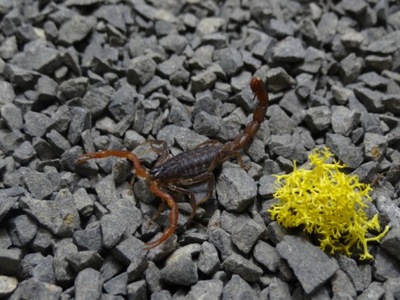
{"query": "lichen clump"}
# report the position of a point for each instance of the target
(325, 201)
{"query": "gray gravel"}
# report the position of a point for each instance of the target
(83, 76)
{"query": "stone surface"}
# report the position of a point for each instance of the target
(316, 267)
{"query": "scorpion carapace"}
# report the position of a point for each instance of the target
(190, 167)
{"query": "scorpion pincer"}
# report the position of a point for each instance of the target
(190, 167)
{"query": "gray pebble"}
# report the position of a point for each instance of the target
(96, 100)
(117, 285)
(350, 267)
(7, 285)
(237, 288)
(350, 68)
(24, 153)
(375, 146)
(38, 185)
(12, 115)
(179, 114)
(267, 186)
(89, 238)
(174, 42)
(21, 77)
(207, 124)
(7, 91)
(372, 100)
(46, 60)
(279, 79)
(391, 242)
(137, 290)
(343, 148)
(205, 289)
(392, 103)
(245, 268)
(75, 29)
(180, 269)
(40, 267)
(342, 283)
(318, 118)
(73, 88)
(236, 189)
(36, 124)
(208, 262)
(42, 290)
(327, 27)
(344, 120)
(80, 121)
(231, 60)
(203, 81)
(140, 70)
(153, 278)
(22, 230)
(245, 234)
(385, 266)
(9, 48)
(61, 119)
(279, 122)
(137, 267)
(316, 267)
(267, 256)
(222, 241)
(278, 289)
(128, 250)
(373, 80)
(373, 291)
(88, 284)
(154, 84)
(59, 215)
(10, 260)
(85, 259)
(289, 50)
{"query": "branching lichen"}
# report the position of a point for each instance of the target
(325, 201)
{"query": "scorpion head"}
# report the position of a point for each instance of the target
(157, 172)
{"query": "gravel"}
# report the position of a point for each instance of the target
(84, 76)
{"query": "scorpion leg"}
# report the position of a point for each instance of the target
(209, 177)
(162, 151)
(173, 215)
(140, 171)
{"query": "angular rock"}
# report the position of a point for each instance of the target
(289, 50)
(311, 266)
(237, 288)
(59, 216)
(237, 264)
(205, 289)
(208, 262)
(75, 29)
(236, 189)
(41, 290)
(140, 70)
(88, 284)
(7, 285)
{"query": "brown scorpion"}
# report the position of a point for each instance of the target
(190, 167)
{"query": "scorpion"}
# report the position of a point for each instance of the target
(192, 166)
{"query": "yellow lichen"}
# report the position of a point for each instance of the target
(327, 202)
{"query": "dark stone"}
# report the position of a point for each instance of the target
(289, 50)
(315, 268)
(88, 284)
(75, 29)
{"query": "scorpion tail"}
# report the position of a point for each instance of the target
(260, 91)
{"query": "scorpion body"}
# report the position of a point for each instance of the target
(193, 166)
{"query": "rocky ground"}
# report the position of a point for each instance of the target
(85, 75)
